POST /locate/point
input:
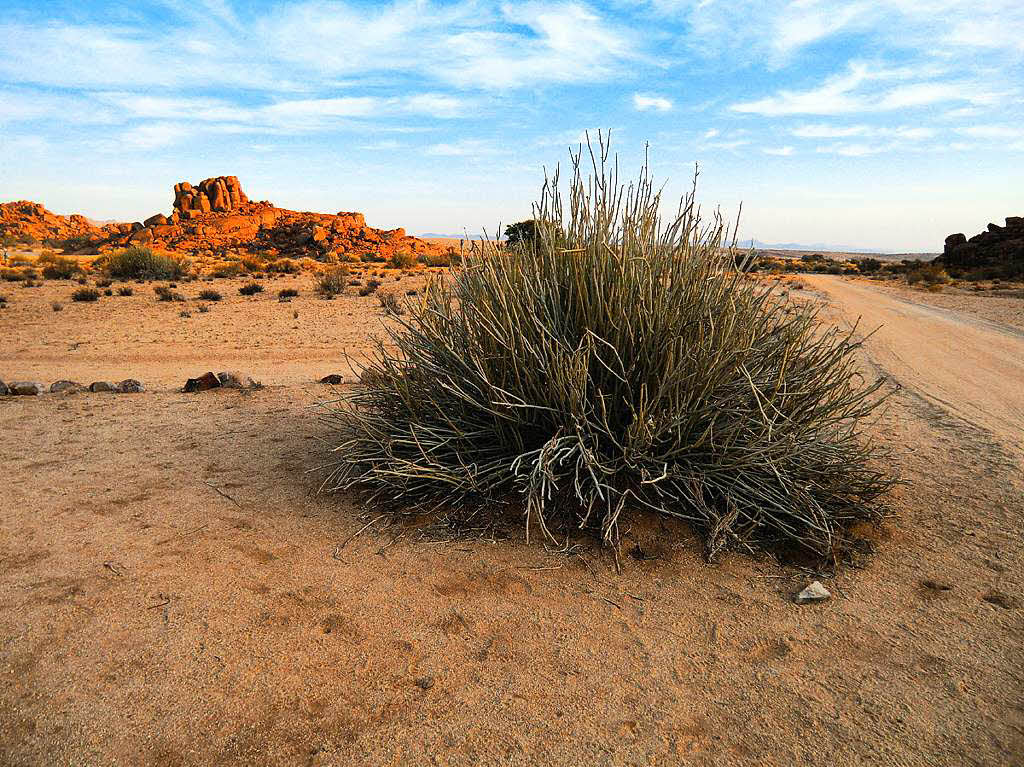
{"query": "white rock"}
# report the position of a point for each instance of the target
(813, 593)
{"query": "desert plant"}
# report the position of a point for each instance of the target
(390, 304)
(57, 307)
(622, 364)
(85, 294)
(138, 263)
(250, 289)
(331, 282)
(370, 286)
(209, 295)
(124, 290)
(56, 267)
(402, 260)
(224, 271)
(522, 233)
(165, 293)
(3, 299)
(283, 266)
(104, 282)
(287, 293)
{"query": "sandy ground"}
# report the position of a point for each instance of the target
(173, 591)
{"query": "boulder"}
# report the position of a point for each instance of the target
(237, 381)
(333, 379)
(159, 220)
(130, 386)
(203, 383)
(66, 387)
(102, 386)
(26, 388)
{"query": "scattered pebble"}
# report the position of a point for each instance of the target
(4, 389)
(425, 682)
(130, 386)
(813, 593)
(1001, 599)
(332, 379)
(99, 386)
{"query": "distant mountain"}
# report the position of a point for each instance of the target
(819, 247)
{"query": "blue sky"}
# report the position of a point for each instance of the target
(866, 123)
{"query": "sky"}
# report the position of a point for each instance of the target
(882, 124)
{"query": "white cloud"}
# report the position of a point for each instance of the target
(782, 151)
(993, 131)
(645, 102)
(867, 88)
(821, 130)
(710, 133)
(463, 148)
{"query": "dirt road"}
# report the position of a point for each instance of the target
(969, 367)
(174, 592)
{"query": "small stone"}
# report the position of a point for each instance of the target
(67, 387)
(936, 585)
(813, 593)
(26, 388)
(4, 389)
(332, 379)
(100, 386)
(1001, 599)
(425, 682)
(203, 383)
(130, 386)
(231, 380)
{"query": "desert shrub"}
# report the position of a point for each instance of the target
(209, 295)
(104, 282)
(390, 304)
(621, 365)
(57, 307)
(75, 244)
(138, 263)
(85, 294)
(868, 265)
(439, 259)
(13, 275)
(253, 265)
(8, 240)
(3, 299)
(232, 269)
(287, 293)
(165, 293)
(402, 260)
(124, 290)
(250, 289)
(929, 274)
(331, 282)
(56, 267)
(370, 286)
(283, 266)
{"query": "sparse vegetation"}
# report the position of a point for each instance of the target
(621, 365)
(332, 281)
(56, 267)
(370, 286)
(124, 290)
(165, 293)
(287, 293)
(390, 304)
(138, 263)
(85, 294)
(209, 295)
(929, 274)
(522, 234)
(402, 260)
(250, 289)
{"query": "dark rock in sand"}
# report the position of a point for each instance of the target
(66, 387)
(332, 379)
(130, 386)
(26, 388)
(205, 382)
(101, 386)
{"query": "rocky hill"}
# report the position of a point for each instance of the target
(215, 217)
(996, 252)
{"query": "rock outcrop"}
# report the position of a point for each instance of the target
(996, 252)
(215, 217)
(30, 221)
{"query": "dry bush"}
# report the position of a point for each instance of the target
(402, 260)
(56, 267)
(390, 304)
(618, 364)
(370, 286)
(287, 293)
(209, 295)
(165, 293)
(124, 290)
(250, 289)
(85, 294)
(332, 281)
(226, 271)
(138, 263)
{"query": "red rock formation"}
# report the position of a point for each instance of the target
(216, 217)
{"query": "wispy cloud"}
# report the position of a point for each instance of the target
(782, 151)
(645, 102)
